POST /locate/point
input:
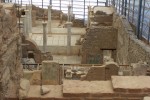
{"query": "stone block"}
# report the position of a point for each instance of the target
(130, 84)
(51, 73)
(146, 98)
(24, 88)
(55, 92)
(75, 88)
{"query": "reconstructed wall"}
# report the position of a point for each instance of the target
(96, 40)
(129, 48)
(10, 46)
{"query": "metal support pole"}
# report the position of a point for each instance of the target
(122, 10)
(97, 2)
(125, 8)
(49, 19)
(42, 3)
(133, 11)
(84, 12)
(60, 4)
(44, 37)
(139, 19)
(129, 6)
(106, 2)
(50, 2)
(119, 7)
(143, 16)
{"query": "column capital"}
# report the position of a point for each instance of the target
(69, 6)
(23, 16)
(44, 23)
(26, 10)
(50, 6)
(68, 23)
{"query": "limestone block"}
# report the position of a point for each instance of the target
(44, 90)
(146, 98)
(131, 84)
(24, 88)
(139, 68)
(51, 73)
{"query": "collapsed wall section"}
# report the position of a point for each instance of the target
(10, 46)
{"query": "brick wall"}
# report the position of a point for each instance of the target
(96, 39)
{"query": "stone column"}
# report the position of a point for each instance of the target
(69, 24)
(30, 19)
(44, 37)
(89, 11)
(49, 19)
(69, 13)
(24, 25)
(27, 23)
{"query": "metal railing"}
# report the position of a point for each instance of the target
(138, 14)
(79, 6)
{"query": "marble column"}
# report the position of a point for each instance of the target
(23, 17)
(68, 24)
(27, 23)
(44, 37)
(49, 20)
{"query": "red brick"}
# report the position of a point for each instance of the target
(133, 94)
(98, 98)
(120, 90)
(76, 95)
(135, 99)
(135, 90)
(104, 95)
(120, 98)
(146, 90)
(32, 99)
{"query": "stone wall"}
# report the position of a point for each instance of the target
(95, 41)
(10, 66)
(129, 48)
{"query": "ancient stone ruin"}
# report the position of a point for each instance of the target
(46, 54)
